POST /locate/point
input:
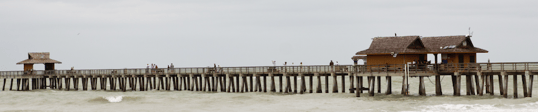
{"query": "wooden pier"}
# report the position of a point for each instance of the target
(313, 79)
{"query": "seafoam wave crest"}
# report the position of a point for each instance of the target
(528, 107)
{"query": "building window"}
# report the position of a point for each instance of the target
(472, 59)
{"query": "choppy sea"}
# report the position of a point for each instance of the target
(192, 101)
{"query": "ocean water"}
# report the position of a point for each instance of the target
(192, 101)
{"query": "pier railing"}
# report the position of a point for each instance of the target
(309, 69)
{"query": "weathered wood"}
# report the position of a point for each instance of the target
(531, 79)
(280, 83)
(501, 90)
(488, 83)
(371, 85)
(438, 89)
(477, 83)
(481, 91)
(251, 83)
(421, 89)
(515, 85)
(326, 83)
(492, 90)
(335, 83)
(378, 84)
(468, 84)
(11, 84)
(288, 86)
(318, 88)
(4, 86)
(524, 84)
(264, 83)
(358, 89)
(458, 84)
(273, 87)
(294, 83)
(343, 84)
(403, 92)
(351, 82)
(301, 91)
(505, 95)
(389, 85)
(311, 83)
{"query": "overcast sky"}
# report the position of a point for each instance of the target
(197, 33)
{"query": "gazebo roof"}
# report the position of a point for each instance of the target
(38, 58)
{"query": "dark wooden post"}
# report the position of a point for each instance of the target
(358, 89)
(515, 85)
(524, 84)
(389, 85)
(318, 88)
(531, 79)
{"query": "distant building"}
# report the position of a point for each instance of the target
(404, 49)
(38, 58)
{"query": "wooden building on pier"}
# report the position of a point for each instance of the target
(404, 49)
(38, 58)
(395, 50)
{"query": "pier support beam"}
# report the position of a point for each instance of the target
(421, 88)
(273, 86)
(438, 90)
(505, 95)
(318, 88)
(531, 79)
(500, 78)
(457, 86)
(515, 85)
(389, 85)
(524, 84)
(335, 83)
(358, 89)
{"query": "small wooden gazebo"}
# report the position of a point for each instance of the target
(38, 58)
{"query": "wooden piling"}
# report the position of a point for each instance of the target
(280, 83)
(531, 79)
(458, 84)
(468, 84)
(343, 83)
(438, 90)
(515, 85)
(251, 83)
(11, 84)
(294, 83)
(481, 85)
(351, 83)
(326, 83)
(301, 91)
(505, 95)
(492, 83)
(318, 88)
(273, 89)
(311, 83)
(378, 84)
(4, 86)
(422, 90)
(524, 84)
(358, 89)
(389, 85)
(286, 89)
(477, 83)
(264, 83)
(335, 83)
(371, 85)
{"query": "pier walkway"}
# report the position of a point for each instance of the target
(479, 78)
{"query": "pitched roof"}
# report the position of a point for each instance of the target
(399, 44)
(434, 44)
(38, 57)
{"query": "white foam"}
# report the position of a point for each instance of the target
(479, 108)
(114, 99)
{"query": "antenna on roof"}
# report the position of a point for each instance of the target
(470, 33)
